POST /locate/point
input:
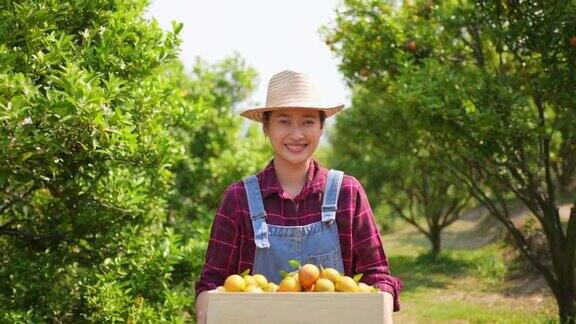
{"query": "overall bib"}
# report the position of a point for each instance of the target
(316, 243)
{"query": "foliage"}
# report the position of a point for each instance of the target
(97, 118)
(223, 149)
(489, 85)
(392, 159)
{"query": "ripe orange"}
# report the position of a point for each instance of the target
(411, 46)
(270, 287)
(309, 288)
(260, 280)
(253, 289)
(330, 273)
(573, 41)
(249, 280)
(346, 284)
(308, 274)
(289, 284)
(234, 283)
(364, 287)
(324, 285)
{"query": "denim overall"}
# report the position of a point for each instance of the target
(316, 243)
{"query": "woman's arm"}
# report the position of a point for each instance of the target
(388, 307)
(202, 307)
(368, 254)
(223, 252)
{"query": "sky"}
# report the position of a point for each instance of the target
(270, 35)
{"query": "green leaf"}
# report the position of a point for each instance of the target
(26, 155)
(247, 271)
(177, 26)
(358, 276)
(294, 263)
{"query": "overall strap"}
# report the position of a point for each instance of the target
(331, 192)
(257, 212)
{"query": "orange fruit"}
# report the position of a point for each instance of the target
(295, 275)
(289, 284)
(270, 287)
(260, 280)
(234, 283)
(249, 280)
(324, 285)
(308, 274)
(364, 287)
(253, 289)
(411, 46)
(346, 284)
(330, 273)
(573, 41)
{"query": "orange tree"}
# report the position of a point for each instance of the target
(221, 150)
(393, 163)
(489, 87)
(215, 153)
(86, 101)
(95, 119)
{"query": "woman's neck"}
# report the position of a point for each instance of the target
(291, 175)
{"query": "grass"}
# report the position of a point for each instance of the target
(467, 311)
(467, 283)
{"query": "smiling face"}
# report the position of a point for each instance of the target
(294, 134)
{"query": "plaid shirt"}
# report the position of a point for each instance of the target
(231, 247)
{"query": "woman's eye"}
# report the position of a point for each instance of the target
(283, 122)
(309, 122)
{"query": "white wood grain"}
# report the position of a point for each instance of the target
(301, 308)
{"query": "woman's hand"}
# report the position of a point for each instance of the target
(202, 306)
(388, 307)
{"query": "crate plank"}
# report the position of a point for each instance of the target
(302, 308)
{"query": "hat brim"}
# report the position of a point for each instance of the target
(256, 114)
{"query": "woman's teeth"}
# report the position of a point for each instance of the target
(296, 148)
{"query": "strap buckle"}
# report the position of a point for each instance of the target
(329, 222)
(259, 216)
(331, 208)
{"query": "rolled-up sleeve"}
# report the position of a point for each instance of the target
(222, 253)
(368, 254)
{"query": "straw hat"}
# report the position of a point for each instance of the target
(289, 89)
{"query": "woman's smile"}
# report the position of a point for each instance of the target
(296, 148)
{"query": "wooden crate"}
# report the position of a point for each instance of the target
(290, 308)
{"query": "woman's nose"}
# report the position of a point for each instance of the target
(297, 133)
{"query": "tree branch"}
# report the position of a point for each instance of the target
(410, 220)
(453, 212)
(29, 236)
(477, 46)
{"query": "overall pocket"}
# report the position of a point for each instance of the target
(326, 260)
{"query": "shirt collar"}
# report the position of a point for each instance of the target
(315, 180)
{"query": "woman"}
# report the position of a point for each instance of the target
(294, 199)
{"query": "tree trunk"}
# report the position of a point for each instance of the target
(566, 305)
(563, 257)
(435, 239)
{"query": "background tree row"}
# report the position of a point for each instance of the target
(481, 94)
